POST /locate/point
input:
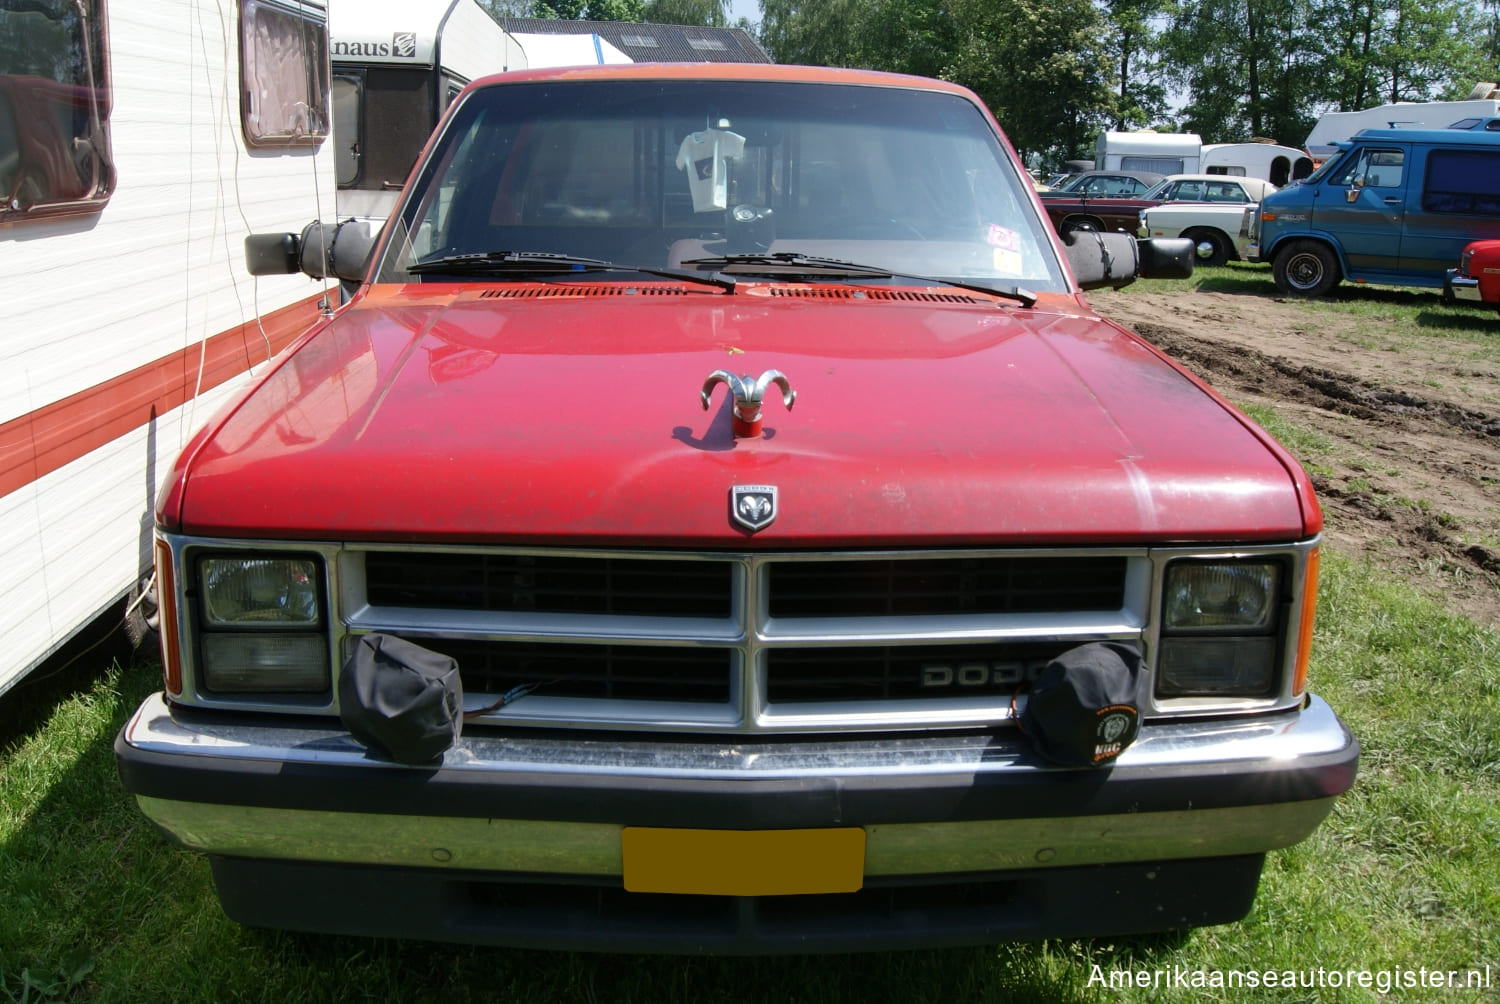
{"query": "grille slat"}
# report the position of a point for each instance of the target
(526, 583)
(992, 670)
(942, 586)
(618, 672)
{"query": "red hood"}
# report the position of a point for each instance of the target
(520, 415)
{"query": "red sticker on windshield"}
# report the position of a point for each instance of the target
(1001, 237)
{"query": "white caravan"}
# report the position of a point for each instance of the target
(1335, 127)
(140, 142)
(1157, 152)
(1280, 165)
(397, 64)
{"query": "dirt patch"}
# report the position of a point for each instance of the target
(1403, 418)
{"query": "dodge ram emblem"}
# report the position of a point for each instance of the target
(753, 506)
(748, 392)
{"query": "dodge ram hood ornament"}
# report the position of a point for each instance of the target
(753, 506)
(748, 395)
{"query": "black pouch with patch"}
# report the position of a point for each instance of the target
(401, 700)
(1082, 711)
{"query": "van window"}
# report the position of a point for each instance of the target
(1462, 181)
(55, 155)
(1373, 168)
(284, 74)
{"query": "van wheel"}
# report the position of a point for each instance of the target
(1306, 268)
(1210, 248)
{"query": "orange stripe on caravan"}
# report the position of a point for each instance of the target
(57, 434)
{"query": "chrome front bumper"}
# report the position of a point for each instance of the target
(944, 803)
(1461, 287)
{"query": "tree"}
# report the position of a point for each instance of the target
(816, 33)
(1041, 68)
(1140, 95)
(1248, 67)
(507, 8)
(711, 13)
(589, 10)
(1038, 65)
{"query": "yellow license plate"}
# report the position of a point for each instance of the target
(744, 862)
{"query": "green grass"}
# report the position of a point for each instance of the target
(95, 905)
(1420, 312)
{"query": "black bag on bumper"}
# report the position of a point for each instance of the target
(401, 700)
(1082, 710)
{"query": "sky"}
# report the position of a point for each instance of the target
(747, 9)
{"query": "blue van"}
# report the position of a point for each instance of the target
(1393, 206)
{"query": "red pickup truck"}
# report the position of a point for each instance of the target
(717, 522)
(1477, 277)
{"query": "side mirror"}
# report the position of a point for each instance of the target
(1166, 258)
(322, 250)
(271, 254)
(1117, 259)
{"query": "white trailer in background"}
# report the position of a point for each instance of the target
(1157, 152)
(1335, 127)
(1280, 165)
(140, 141)
(397, 64)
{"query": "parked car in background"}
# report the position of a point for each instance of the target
(1211, 226)
(1394, 206)
(1072, 213)
(1477, 277)
(574, 634)
(1107, 184)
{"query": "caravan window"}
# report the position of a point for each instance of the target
(55, 153)
(284, 73)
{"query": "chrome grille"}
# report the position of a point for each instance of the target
(744, 642)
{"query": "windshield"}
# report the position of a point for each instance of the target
(1326, 167)
(681, 174)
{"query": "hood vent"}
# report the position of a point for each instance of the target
(845, 293)
(574, 290)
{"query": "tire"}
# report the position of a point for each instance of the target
(1210, 247)
(1076, 223)
(1306, 268)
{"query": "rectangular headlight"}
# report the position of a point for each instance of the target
(1209, 667)
(241, 662)
(1203, 596)
(260, 591)
(1219, 627)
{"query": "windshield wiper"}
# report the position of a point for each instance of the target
(788, 263)
(551, 263)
